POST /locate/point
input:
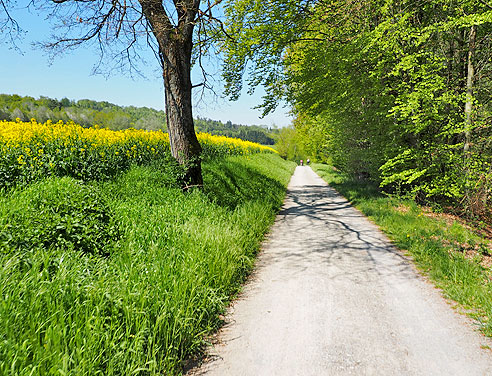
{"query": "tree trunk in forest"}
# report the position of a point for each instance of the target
(468, 114)
(179, 118)
(469, 87)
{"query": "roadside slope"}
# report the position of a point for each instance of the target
(331, 296)
(125, 276)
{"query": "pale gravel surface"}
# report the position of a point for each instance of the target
(331, 296)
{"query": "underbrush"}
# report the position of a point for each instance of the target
(454, 256)
(160, 268)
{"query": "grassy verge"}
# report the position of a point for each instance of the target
(156, 269)
(451, 254)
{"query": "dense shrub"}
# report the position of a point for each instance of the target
(58, 213)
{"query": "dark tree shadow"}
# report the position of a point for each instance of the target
(230, 184)
(325, 230)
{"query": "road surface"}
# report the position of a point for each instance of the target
(331, 296)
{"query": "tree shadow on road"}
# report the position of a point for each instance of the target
(323, 230)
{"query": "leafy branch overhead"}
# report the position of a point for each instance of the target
(395, 91)
(264, 33)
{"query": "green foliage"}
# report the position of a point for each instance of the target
(311, 140)
(254, 133)
(59, 214)
(144, 309)
(260, 33)
(438, 247)
(287, 144)
(379, 88)
(84, 112)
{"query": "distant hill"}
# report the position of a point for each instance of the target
(87, 112)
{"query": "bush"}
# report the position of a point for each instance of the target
(58, 213)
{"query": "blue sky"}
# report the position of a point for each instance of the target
(31, 72)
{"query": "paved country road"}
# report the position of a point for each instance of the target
(331, 296)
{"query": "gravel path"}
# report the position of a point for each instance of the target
(331, 296)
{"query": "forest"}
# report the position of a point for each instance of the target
(397, 93)
(88, 112)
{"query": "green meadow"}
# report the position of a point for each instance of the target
(128, 276)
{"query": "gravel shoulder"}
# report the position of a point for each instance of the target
(331, 296)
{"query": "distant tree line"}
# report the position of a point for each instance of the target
(253, 133)
(87, 113)
(84, 112)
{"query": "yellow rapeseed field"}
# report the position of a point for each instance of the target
(30, 150)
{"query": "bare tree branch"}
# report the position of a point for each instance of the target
(9, 25)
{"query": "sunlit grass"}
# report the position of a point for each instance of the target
(143, 306)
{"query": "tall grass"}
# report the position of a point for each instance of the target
(143, 306)
(449, 253)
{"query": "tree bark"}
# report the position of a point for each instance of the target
(175, 48)
(470, 76)
(469, 87)
(179, 117)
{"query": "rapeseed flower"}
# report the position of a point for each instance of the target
(31, 150)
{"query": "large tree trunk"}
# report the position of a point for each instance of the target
(175, 47)
(177, 87)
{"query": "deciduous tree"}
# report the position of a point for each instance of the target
(400, 89)
(176, 31)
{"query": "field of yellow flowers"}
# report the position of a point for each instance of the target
(31, 150)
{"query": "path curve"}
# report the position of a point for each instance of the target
(331, 296)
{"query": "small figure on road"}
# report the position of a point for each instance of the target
(308, 161)
(301, 162)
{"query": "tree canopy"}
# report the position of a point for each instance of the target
(397, 91)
